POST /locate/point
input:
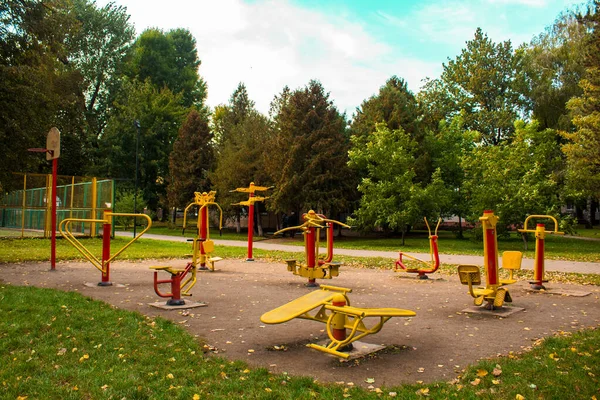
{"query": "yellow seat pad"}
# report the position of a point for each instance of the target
(373, 312)
(297, 307)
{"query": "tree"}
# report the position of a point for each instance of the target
(397, 107)
(449, 145)
(242, 150)
(169, 60)
(160, 114)
(98, 51)
(39, 89)
(391, 196)
(481, 82)
(552, 68)
(583, 149)
(308, 153)
(191, 160)
(516, 179)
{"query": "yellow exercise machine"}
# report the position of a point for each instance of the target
(202, 245)
(494, 293)
(202, 249)
(315, 267)
(331, 306)
(540, 237)
(432, 265)
(104, 263)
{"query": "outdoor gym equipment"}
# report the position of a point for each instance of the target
(104, 263)
(202, 246)
(433, 265)
(202, 249)
(250, 203)
(540, 237)
(331, 306)
(494, 292)
(315, 267)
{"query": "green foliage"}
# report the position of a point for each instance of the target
(160, 114)
(515, 179)
(583, 146)
(98, 52)
(242, 149)
(391, 196)
(308, 153)
(191, 160)
(552, 67)
(169, 60)
(481, 83)
(39, 88)
(127, 202)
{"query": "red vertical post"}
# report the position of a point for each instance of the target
(53, 216)
(490, 248)
(310, 254)
(538, 272)
(106, 231)
(250, 227)
(338, 323)
(203, 236)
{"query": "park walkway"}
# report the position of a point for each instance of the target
(277, 245)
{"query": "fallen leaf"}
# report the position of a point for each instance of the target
(476, 382)
(519, 397)
(170, 376)
(370, 380)
(481, 372)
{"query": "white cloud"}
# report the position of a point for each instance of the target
(270, 44)
(527, 3)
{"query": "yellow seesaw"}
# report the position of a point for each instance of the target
(331, 306)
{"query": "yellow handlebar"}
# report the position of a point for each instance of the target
(555, 232)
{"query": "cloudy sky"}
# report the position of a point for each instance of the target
(351, 46)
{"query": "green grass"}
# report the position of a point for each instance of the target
(64, 346)
(24, 250)
(557, 247)
(593, 233)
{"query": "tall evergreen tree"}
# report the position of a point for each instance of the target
(191, 160)
(309, 153)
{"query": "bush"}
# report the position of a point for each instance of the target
(124, 203)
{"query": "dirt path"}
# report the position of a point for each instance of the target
(434, 345)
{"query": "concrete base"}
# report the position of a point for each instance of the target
(95, 285)
(560, 292)
(503, 311)
(360, 349)
(415, 276)
(188, 304)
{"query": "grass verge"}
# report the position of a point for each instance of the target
(62, 345)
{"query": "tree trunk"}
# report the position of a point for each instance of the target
(258, 224)
(174, 216)
(524, 237)
(403, 233)
(460, 227)
(238, 225)
(590, 210)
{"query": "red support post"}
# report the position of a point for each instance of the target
(250, 227)
(338, 324)
(203, 236)
(53, 216)
(106, 232)
(310, 254)
(538, 272)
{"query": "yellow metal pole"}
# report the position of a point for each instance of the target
(94, 200)
(24, 204)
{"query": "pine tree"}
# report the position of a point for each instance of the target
(191, 160)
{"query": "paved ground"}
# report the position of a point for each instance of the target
(279, 244)
(436, 344)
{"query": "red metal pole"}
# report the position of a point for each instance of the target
(338, 328)
(203, 236)
(492, 257)
(310, 254)
(250, 227)
(538, 273)
(53, 216)
(106, 231)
